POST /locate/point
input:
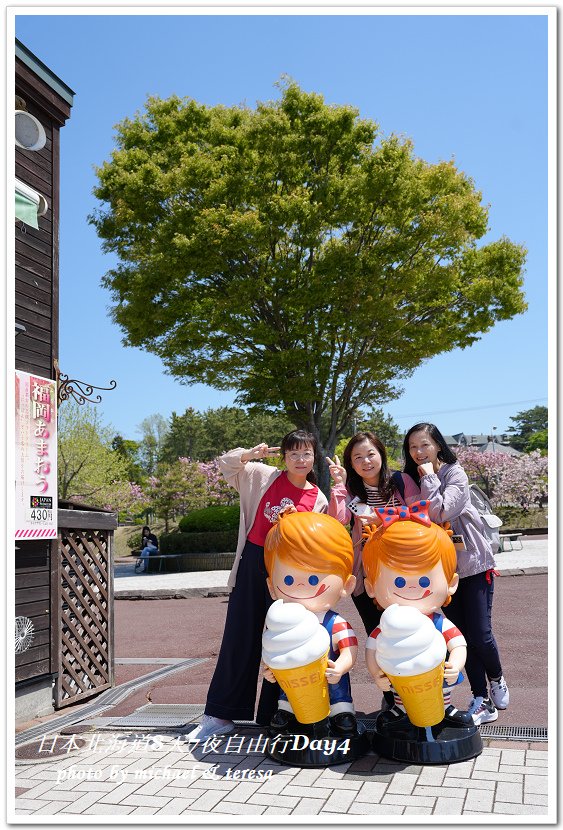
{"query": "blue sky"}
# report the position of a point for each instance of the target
(468, 87)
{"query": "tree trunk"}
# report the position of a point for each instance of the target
(323, 477)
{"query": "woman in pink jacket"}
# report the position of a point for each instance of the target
(364, 474)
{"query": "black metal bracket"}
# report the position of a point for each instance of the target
(78, 389)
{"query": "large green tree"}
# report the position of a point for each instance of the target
(203, 436)
(153, 429)
(88, 469)
(530, 430)
(294, 254)
(129, 451)
(385, 428)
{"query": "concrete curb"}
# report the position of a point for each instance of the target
(540, 569)
(222, 591)
(166, 593)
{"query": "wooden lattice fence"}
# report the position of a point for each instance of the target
(85, 605)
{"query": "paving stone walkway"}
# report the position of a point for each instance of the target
(104, 773)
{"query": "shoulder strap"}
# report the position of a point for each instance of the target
(399, 483)
(328, 620)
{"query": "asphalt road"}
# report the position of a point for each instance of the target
(182, 628)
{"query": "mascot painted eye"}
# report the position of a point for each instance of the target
(424, 582)
(313, 580)
(288, 580)
(400, 582)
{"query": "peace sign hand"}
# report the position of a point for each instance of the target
(336, 470)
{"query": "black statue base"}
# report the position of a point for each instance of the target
(444, 743)
(316, 744)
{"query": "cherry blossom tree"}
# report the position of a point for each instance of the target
(126, 497)
(218, 490)
(181, 487)
(512, 481)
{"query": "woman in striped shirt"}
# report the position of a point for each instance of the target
(365, 475)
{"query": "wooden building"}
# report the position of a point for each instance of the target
(64, 585)
(48, 100)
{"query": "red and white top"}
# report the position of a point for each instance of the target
(278, 495)
(343, 635)
(450, 632)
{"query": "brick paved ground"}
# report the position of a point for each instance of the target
(116, 774)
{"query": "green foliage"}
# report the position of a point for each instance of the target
(179, 488)
(88, 469)
(218, 541)
(383, 427)
(513, 518)
(205, 435)
(154, 430)
(134, 541)
(129, 451)
(537, 441)
(294, 254)
(530, 430)
(218, 517)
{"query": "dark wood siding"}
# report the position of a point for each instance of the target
(33, 601)
(35, 277)
(36, 349)
(37, 250)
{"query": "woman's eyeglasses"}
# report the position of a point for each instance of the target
(298, 456)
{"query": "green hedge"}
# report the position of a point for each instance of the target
(218, 517)
(520, 519)
(193, 562)
(219, 541)
(134, 541)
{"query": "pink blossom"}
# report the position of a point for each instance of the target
(514, 481)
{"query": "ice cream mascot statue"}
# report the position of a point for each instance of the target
(410, 567)
(307, 647)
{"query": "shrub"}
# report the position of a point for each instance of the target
(219, 541)
(134, 541)
(520, 519)
(217, 517)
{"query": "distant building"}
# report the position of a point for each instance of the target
(483, 443)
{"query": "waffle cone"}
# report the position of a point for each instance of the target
(422, 695)
(306, 688)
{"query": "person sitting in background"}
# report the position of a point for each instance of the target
(149, 545)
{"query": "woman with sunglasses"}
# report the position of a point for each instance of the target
(265, 491)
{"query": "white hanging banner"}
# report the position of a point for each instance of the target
(36, 457)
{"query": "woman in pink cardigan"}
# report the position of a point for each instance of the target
(264, 492)
(364, 474)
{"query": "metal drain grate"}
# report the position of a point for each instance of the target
(491, 730)
(163, 716)
(514, 733)
(155, 715)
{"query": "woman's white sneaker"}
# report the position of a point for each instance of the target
(210, 726)
(499, 693)
(482, 710)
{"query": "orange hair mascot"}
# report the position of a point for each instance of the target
(307, 647)
(410, 567)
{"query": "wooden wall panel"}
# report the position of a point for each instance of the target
(32, 609)
(36, 307)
